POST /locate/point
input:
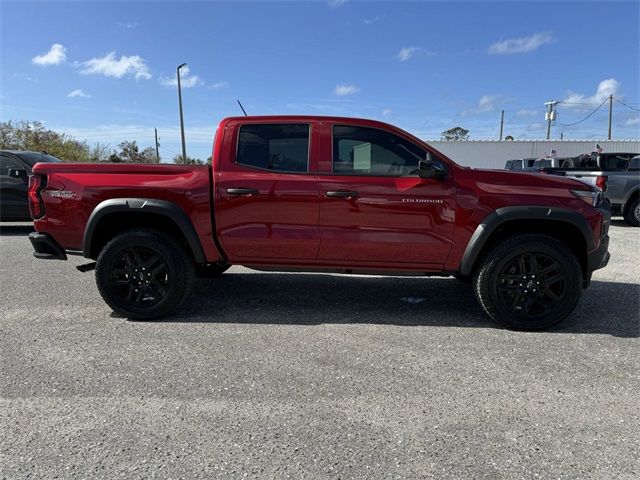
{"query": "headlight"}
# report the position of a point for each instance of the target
(592, 197)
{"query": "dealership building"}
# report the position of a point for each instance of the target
(494, 153)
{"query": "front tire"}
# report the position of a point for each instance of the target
(632, 212)
(529, 282)
(143, 274)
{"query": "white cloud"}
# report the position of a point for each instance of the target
(218, 85)
(521, 44)
(386, 112)
(607, 87)
(406, 53)
(128, 25)
(78, 93)
(345, 89)
(110, 66)
(55, 56)
(371, 21)
(632, 122)
(487, 103)
(186, 79)
(336, 3)
(527, 112)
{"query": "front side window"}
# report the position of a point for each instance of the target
(276, 147)
(369, 151)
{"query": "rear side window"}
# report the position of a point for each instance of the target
(276, 147)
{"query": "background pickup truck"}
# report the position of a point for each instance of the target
(617, 174)
(330, 195)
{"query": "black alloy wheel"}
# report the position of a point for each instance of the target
(528, 282)
(140, 276)
(531, 283)
(144, 274)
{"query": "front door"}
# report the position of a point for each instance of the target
(267, 199)
(375, 210)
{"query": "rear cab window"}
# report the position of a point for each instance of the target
(274, 147)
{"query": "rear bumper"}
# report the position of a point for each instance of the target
(45, 247)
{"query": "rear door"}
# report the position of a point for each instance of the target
(374, 209)
(13, 191)
(267, 192)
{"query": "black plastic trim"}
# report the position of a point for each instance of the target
(144, 205)
(45, 247)
(520, 212)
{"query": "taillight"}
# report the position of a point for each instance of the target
(601, 182)
(36, 206)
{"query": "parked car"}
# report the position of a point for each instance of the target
(617, 174)
(306, 193)
(15, 168)
(520, 164)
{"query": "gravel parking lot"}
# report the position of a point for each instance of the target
(272, 375)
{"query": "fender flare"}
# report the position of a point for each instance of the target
(144, 205)
(520, 212)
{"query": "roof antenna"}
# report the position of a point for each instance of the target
(243, 110)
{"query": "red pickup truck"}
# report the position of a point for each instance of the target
(324, 194)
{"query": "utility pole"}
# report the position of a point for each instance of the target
(157, 146)
(610, 113)
(501, 123)
(550, 115)
(184, 148)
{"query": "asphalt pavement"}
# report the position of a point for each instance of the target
(272, 375)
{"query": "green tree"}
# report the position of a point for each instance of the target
(188, 161)
(455, 133)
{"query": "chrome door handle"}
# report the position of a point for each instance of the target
(242, 191)
(343, 194)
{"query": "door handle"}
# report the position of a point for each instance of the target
(343, 194)
(242, 191)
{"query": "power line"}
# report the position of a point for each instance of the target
(628, 106)
(588, 116)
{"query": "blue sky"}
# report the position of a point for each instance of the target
(103, 71)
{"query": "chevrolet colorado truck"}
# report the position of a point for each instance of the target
(323, 194)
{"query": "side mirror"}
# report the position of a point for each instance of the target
(20, 173)
(432, 169)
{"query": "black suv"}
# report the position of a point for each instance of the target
(15, 168)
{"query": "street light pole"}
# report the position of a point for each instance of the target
(184, 147)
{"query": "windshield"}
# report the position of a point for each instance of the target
(32, 158)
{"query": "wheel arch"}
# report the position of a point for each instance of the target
(568, 226)
(116, 215)
(632, 196)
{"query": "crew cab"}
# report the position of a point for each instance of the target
(323, 194)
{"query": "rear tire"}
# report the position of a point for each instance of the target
(529, 282)
(143, 274)
(632, 212)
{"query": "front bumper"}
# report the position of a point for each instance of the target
(45, 247)
(599, 258)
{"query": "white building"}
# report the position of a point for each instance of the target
(494, 154)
